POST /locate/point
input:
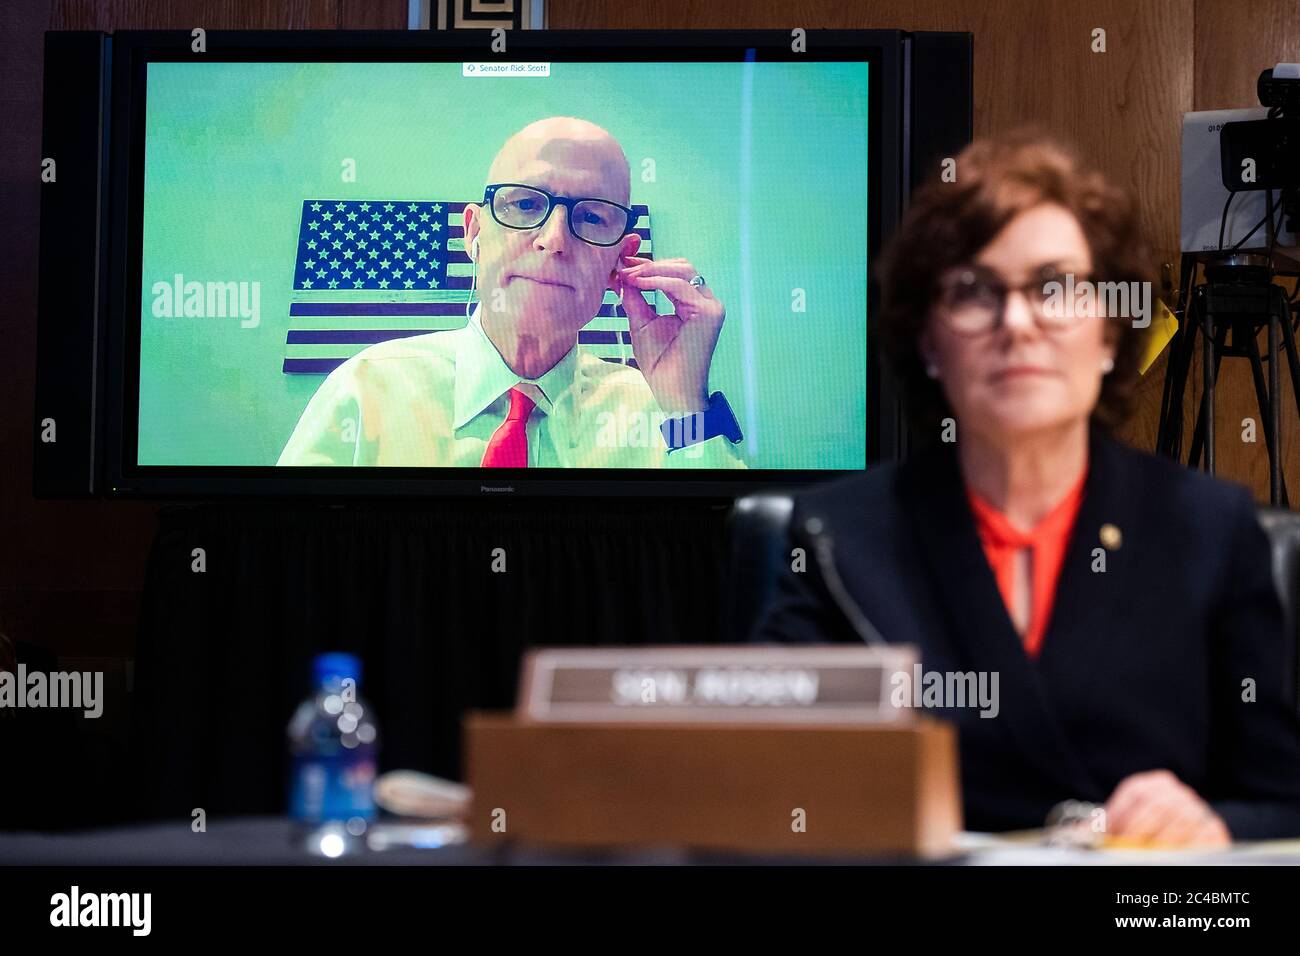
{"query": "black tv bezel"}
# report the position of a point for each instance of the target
(133, 50)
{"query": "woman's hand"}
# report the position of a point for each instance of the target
(1155, 807)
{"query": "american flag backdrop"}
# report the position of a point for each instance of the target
(372, 270)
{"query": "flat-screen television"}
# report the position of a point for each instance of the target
(548, 262)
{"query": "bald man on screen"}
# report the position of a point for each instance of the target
(511, 388)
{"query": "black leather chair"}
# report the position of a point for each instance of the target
(759, 555)
(1283, 528)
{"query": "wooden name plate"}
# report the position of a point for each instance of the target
(801, 788)
(816, 684)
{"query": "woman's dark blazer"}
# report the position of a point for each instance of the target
(1147, 664)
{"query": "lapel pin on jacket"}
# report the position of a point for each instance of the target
(1111, 539)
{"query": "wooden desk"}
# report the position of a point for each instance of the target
(761, 787)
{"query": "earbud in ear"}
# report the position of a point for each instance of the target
(473, 249)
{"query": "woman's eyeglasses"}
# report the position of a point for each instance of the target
(973, 300)
(601, 222)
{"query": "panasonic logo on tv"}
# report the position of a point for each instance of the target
(492, 488)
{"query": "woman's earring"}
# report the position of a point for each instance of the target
(931, 370)
(1107, 365)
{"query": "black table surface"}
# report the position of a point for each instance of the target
(270, 841)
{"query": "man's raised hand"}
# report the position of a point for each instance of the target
(673, 351)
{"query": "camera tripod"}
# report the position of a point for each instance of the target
(1239, 297)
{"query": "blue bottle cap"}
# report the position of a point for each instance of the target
(336, 666)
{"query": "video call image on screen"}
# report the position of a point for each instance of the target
(667, 266)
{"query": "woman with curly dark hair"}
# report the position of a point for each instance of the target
(1125, 604)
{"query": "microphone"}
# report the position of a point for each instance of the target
(824, 549)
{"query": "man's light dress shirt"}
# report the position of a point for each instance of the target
(435, 400)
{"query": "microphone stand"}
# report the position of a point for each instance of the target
(824, 550)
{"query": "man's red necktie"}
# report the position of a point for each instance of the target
(508, 446)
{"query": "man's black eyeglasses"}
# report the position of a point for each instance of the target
(601, 222)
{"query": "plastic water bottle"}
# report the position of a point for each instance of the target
(333, 750)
